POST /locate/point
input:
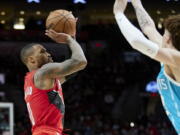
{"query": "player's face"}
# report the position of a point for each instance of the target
(41, 55)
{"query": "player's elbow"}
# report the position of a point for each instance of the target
(83, 64)
(137, 40)
(134, 43)
(138, 45)
(80, 63)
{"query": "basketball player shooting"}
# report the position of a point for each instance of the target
(43, 92)
(165, 49)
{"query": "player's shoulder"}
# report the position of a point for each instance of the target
(43, 70)
(41, 81)
(30, 74)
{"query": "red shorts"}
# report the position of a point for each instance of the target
(46, 133)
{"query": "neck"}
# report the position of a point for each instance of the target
(32, 68)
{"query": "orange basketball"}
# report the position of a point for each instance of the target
(61, 21)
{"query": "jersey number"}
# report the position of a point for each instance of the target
(30, 114)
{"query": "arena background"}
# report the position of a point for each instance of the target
(115, 95)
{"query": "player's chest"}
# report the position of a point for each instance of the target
(162, 83)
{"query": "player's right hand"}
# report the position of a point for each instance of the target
(57, 37)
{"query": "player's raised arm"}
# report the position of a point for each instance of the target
(139, 42)
(146, 23)
(134, 36)
(75, 63)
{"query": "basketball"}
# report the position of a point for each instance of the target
(61, 21)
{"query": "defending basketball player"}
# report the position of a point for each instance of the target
(165, 49)
(43, 92)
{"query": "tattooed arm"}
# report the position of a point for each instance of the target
(146, 23)
(44, 77)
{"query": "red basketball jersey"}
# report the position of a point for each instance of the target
(46, 107)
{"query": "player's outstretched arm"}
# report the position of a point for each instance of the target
(139, 42)
(134, 36)
(146, 23)
(75, 63)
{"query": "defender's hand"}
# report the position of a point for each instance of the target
(58, 37)
(120, 6)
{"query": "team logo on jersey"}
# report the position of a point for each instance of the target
(162, 84)
(57, 100)
(28, 91)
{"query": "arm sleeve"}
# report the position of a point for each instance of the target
(135, 37)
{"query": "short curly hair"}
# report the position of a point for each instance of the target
(26, 51)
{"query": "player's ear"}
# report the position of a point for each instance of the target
(170, 40)
(168, 37)
(31, 59)
(76, 19)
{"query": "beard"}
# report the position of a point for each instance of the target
(50, 60)
(44, 61)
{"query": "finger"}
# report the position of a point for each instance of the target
(52, 31)
(47, 31)
(47, 34)
(52, 34)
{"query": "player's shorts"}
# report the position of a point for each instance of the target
(45, 131)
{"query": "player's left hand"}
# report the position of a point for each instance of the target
(120, 6)
(58, 37)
